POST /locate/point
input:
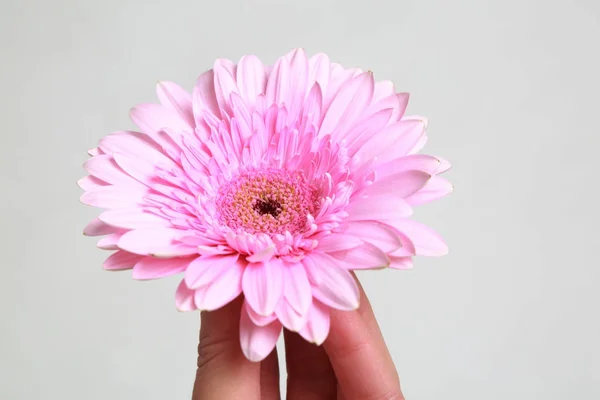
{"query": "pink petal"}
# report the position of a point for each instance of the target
(159, 242)
(278, 83)
(407, 248)
(436, 188)
(225, 287)
(114, 197)
(99, 228)
(105, 168)
(153, 118)
(427, 242)
(338, 288)
(121, 260)
(203, 270)
(184, 298)
(176, 98)
(317, 325)
(137, 146)
(401, 262)
(400, 185)
(319, 68)
(256, 318)
(109, 242)
(337, 242)
(154, 268)
(347, 106)
(204, 97)
(133, 218)
(291, 319)
(380, 207)
(296, 288)
(225, 84)
(376, 233)
(312, 271)
(251, 78)
(392, 142)
(257, 342)
(89, 183)
(366, 256)
(418, 162)
(263, 285)
(142, 171)
(444, 165)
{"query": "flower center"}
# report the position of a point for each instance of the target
(270, 201)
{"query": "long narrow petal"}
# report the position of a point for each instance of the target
(256, 318)
(203, 270)
(157, 242)
(173, 96)
(251, 78)
(184, 298)
(154, 268)
(376, 233)
(289, 317)
(257, 342)
(338, 288)
(121, 260)
(263, 286)
(114, 197)
(366, 256)
(317, 325)
(427, 242)
(153, 118)
(297, 289)
(436, 188)
(378, 207)
(400, 185)
(337, 242)
(133, 218)
(224, 289)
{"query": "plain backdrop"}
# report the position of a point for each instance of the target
(511, 89)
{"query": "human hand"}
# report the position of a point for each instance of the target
(352, 364)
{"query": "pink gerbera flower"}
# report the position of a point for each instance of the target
(274, 182)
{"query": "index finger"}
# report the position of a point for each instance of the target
(359, 356)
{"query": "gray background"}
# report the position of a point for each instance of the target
(511, 89)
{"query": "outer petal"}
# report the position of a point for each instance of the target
(291, 319)
(156, 242)
(133, 218)
(224, 289)
(114, 197)
(427, 242)
(154, 268)
(297, 289)
(257, 342)
(173, 96)
(376, 233)
(366, 256)
(436, 188)
(263, 285)
(153, 118)
(251, 78)
(121, 260)
(203, 270)
(338, 288)
(379, 207)
(258, 319)
(184, 298)
(401, 262)
(317, 325)
(337, 242)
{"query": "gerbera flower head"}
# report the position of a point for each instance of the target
(271, 182)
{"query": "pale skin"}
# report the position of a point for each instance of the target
(353, 363)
